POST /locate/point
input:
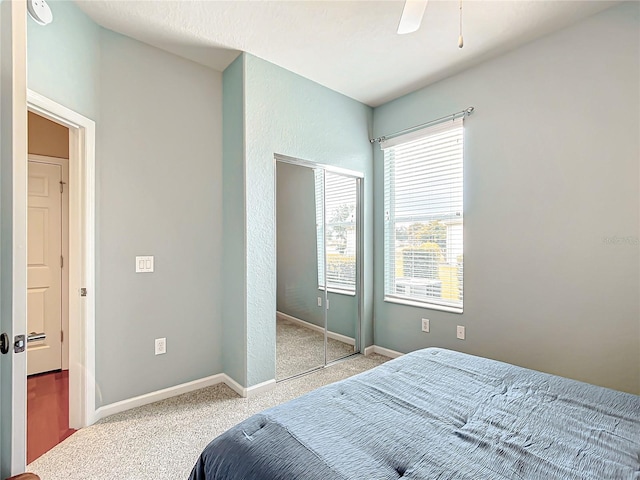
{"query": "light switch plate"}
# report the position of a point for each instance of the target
(144, 264)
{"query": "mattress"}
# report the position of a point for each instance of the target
(437, 414)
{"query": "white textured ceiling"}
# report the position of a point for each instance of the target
(348, 46)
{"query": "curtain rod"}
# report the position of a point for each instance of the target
(463, 113)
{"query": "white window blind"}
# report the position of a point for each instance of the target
(338, 230)
(423, 193)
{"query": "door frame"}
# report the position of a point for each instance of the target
(81, 262)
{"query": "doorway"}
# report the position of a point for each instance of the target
(47, 285)
(318, 259)
(81, 268)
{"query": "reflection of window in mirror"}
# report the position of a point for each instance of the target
(337, 234)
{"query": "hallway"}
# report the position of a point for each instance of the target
(47, 412)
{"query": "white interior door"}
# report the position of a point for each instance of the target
(13, 281)
(44, 273)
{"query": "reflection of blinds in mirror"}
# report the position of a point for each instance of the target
(319, 184)
(340, 197)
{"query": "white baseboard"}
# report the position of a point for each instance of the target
(235, 386)
(248, 392)
(158, 395)
(165, 393)
(259, 388)
(317, 328)
(382, 351)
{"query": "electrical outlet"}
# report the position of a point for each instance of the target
(425, 325)
(460, 332)
(161, 346)
(319, 301)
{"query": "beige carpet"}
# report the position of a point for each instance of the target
(161, 441)
(300, 349)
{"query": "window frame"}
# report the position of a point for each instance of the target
(390, 221)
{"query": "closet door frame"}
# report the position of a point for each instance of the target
(359, 177)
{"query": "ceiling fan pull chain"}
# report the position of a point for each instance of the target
(460, 40)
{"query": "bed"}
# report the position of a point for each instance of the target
(437, 414)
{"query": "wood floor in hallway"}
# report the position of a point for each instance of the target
(47, 412)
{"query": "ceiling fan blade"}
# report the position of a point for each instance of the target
(411, 16)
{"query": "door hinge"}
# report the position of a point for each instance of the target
(61, 336)
(61, 261)
(83, 292)
(62, 186)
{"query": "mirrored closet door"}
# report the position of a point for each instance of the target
(340, 256)
(318, 265)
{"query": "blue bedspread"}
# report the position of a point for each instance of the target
(437, 414)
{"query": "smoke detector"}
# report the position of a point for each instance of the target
(40, 11)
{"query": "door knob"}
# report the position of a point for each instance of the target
(4, 343)
(34, 337)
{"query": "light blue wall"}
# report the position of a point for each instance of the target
(551, 173)
(63, 61)
(234, 264)
(159, 172)
(290, 115)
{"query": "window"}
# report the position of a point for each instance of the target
(423, 259)
(340, 195)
